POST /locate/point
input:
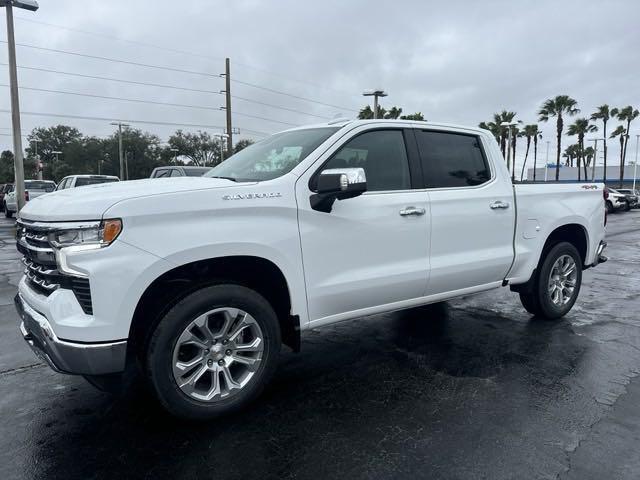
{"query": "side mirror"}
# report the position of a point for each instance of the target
(338, 184)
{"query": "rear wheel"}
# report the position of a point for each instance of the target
(213, 352)
(556, 284)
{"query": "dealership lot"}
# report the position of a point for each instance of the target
(469, 389)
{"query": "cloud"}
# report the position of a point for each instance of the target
(453, 61)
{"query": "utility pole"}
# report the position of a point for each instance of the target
(595, 156)
(15, 103)
(227, 79)
(120, 152)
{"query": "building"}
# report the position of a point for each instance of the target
(571, 174)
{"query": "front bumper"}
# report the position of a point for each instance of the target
(64, 356)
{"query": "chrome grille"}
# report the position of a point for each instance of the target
(41, 268)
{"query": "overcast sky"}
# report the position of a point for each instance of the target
(455, 61)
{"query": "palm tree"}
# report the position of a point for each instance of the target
(626, 114)
(536, 137)
(589, 156)
(515, 133)
(581, 127)
(530, 132)
(493, 127)
(603, 113)
(571, 153)
(556, 107)
(621, 132)
(498, 119)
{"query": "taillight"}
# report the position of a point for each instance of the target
(605, 195)
(26, 196)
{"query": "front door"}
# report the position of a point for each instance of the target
(372, 250)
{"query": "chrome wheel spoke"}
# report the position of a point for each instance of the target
(190, 382)
(254, 346)
(231, 384)
(184, 366)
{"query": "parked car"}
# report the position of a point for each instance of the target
(6, 188)
(74, 181)
(201, 280)
(32, 189)
(616, 201)
(179, 171)
(632, 196)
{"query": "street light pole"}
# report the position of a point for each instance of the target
(18, 158)
(375, 93)
(175, 155)
(595, 156)
(223, 137)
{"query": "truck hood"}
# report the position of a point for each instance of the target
(90, 202)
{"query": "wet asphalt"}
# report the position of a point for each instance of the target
(470, 389)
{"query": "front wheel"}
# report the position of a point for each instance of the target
(556, 284)
(7, 213)
(213, 352)
(626, 206)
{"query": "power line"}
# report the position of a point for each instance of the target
(179, 70)
(147, 122)
(253, 85)
(150, 102)
(112, 79)
(181, 52)
(161, 85)
(114, 60)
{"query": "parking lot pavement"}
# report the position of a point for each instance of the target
(468, 389)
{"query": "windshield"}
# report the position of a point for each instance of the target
(82, 181)
(38, 185)
(272, 157)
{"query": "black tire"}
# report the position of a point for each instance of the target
(7, 212)
(537, 299)
(160, 350)
(626, 207)
(609, 207)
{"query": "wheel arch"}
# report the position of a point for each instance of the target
(257, 273)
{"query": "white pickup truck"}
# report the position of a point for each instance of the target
(197, 281)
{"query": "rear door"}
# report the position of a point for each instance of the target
(472, 211)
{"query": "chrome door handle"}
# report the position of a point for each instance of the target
(499, 204)
(405, 212)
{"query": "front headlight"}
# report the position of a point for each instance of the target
(96, 235)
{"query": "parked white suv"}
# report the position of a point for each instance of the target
(200, 280)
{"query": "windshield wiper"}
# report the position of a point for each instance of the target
(225, 178)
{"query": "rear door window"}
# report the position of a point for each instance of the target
(452, 159)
